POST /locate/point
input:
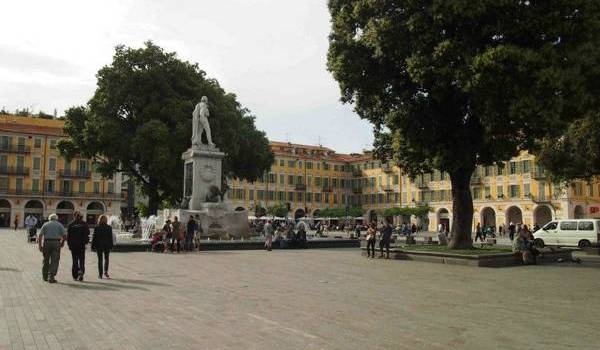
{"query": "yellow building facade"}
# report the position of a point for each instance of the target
(35, 179)
(310, 178)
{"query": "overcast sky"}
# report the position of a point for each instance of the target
(271, 53)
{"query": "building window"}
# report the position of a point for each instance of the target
(52, 164)
(526, 166)
(476, 193)
(271, 178)
(50, 186)
(281, 196)
(37, 161)
(309, 197)
(527, 190)
(19, 184)
(281, 163)
(96, 187)
(290, 196)
(290, 179)
(325, 166)
(512, 168)
(111, 187)
(81, 186)
(291, 163)
(336, 167)
(326, 197)
(318, 197)
(282, 179)
(299, 197)
(514, 191)
(251, 195)
(500, 169)
(309, 165)
(35, 185)
(500, 191)
(52, 144)
(37, 143)
(487, 191)
(271, 195)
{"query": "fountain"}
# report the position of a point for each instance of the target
(148, 226)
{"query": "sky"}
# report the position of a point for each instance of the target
(270, 53)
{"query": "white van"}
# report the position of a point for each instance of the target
(582, 233)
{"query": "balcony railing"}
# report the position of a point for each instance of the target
(326, 189)
(15, 148)
(386, 167)
(65, 194)
(14, 170)
(80, 174)
(387, 188)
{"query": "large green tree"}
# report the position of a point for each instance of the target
(452, 84)
(139, 122)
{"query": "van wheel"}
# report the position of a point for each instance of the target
(539, 243)
(584, 244)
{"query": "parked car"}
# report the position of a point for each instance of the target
(582, 233)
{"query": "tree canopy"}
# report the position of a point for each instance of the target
(139, 122)
(452, 84)
(419, 212)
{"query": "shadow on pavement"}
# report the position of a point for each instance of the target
(10, 269)
(102, 286)
(143, 282)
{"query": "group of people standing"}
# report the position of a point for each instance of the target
(385, 238)
(53, 236)
(176, 237)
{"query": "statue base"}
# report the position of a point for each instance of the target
(202, 170)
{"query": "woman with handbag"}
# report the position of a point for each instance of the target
(371, 237)
(102, 243)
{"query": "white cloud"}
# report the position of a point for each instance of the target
(270, 53)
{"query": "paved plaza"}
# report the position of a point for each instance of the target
(294, 299)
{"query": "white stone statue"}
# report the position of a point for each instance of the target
(200, 123)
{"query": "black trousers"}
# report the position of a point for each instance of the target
(106, 254)
(384, 243)
(78, 256)
(371, 245)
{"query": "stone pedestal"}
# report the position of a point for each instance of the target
(202, 169)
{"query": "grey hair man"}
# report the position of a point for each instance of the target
(50, 241)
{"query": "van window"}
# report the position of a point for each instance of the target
(551, 225)
(568, 225)
(586, 226)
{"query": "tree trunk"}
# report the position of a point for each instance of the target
(462, 210)
(153, 198)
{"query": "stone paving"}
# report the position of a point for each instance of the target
(294, 299)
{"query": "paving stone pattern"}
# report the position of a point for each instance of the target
(293, 299)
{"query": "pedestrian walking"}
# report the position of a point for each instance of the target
(31, 224)
(50, 240)
(189, 234)
(478, 233)
(386, 237)
(78, 236)
(102, 243)
(16, 222)
(371, 237)
(268, 232)
(511, 231)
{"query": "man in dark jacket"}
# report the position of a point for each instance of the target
(78, 235)
(386, 237)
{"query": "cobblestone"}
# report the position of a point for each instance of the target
(294, 299)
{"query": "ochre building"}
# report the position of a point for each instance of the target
(35, 179)
(311, 178)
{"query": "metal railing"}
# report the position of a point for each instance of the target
(14, 170)
(70, 194)
(15, 148)
(81, 174)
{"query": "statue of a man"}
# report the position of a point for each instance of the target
(200, 123)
